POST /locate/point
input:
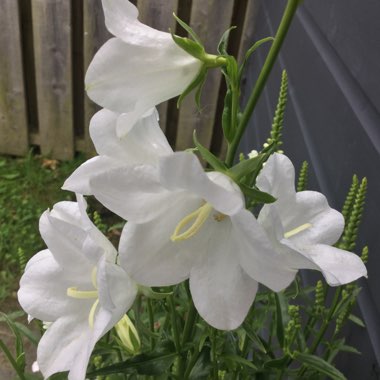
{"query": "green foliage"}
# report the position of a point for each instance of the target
(28, 186)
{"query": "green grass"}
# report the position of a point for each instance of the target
(27, 188)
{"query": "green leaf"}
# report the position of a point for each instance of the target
(11, 176)
(250, 51)
(188, 29)
(282, 317)
(246, 167)
(208, 156)
(319, 365)
(239, 360)
(19, 371)
(257, 195)
(151, 364)
(223, 43)
(356, 320)
(277, 363)
(226, 117)
(197, 82)
(252, 335)
(203, 365)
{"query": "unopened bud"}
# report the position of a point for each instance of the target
(128, 335)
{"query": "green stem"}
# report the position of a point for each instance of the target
(214, 354)
(11, 360)
(283, 28)
(151, 322)
(176, 337)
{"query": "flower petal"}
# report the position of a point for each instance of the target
(337, 266)
(121, 20)
(141, 141)
(79, 181)
(183, 171)
(124, 76)
(132, 192)
(257, 255)
(277, 177)
(221, 290)
(311, 207)
(148, 254)
(43, 286)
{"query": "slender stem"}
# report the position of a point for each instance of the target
(213, 354)
(176, 336)
(283, 28)
(190, 320)
(11, 360)
(151, 321)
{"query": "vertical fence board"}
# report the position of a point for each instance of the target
(209, 20)
(95, 34)
(13, 120)
(159, 15)
(53, 58)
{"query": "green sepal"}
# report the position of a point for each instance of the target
(256, 195)
(214, 161)
(246, 167)
(223, 43)
(197, 82)
(188, 29)
(191, 47)
(250, 51)
(150, 293)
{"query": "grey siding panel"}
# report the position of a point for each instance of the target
(332, 120)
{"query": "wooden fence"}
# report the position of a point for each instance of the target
(46, 46)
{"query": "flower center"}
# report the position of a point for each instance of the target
(73, 292)
(297, 230)
(198, 217)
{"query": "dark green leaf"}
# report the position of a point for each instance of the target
(246, 167)
(203, 366)
(277, 363)
(240, 360)
(257, 195)
(226, 117)
(356, 320)
(252, 335)
(208, 156)
(223, 43)
(282, 316)
(197, 82)
(319, 365)
(151, 364)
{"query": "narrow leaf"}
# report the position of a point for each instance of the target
(223, 43)
(320, 365)
(208, 156)
(240, 360)
(246, 167)
(257, 195)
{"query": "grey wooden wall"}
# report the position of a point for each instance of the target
(332, 55)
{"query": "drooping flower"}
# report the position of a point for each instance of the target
(189, 224)
(76, 287)
(132, 158)
(303, 227)
(138, 69)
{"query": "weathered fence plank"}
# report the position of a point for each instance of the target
(209, 20)
(13, 117)
(53, 59)
(94, 35)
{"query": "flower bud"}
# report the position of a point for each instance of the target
(128, 335)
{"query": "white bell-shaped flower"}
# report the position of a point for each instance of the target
(303, 227)
(76, 287)
(140, 68)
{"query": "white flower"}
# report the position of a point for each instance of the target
(76, 285)
(302, 226)
(132, 159)
(189, 224)
(140, 68)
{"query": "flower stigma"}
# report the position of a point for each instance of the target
(297, 230)
(73, 292)
(199, 216)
